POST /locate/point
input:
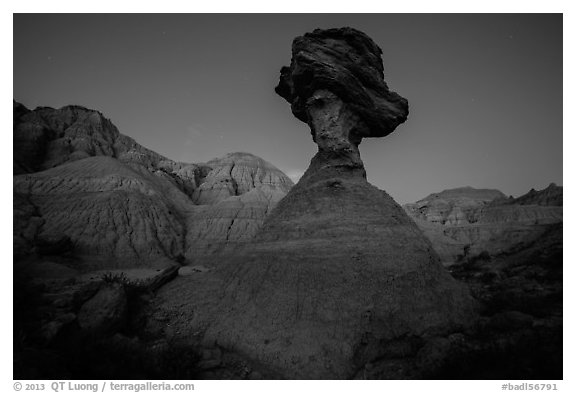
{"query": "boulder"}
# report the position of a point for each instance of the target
(510, 321)
(346, 62)
(434, 355)
(105, 312)
(188, 270)
(52, 329)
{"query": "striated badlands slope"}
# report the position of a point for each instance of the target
(114, 215)
(47, 137)
(234, 198)
(83, 188)
(464, 222)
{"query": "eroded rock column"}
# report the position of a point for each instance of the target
(333, 126)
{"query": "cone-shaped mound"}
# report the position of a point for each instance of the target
(337, 269)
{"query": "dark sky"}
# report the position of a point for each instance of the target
(485, 90)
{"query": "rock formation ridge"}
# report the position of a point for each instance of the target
(464, 222)
(80, 184)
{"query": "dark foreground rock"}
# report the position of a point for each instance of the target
(518, 336)
(105, 311)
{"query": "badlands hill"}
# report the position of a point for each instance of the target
(464, 222)
(84, 189)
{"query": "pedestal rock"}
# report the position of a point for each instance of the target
(338, 268)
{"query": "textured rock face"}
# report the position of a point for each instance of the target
(47, 137)
(236, 195)
(453, 207)
(337, 267)
(464, 222)
(120, 204)
(236, 174)
(27, 223)
(335, 84)
(229, 222)
(105, 312)
(114, 215)
(347, 63)
(550, 196)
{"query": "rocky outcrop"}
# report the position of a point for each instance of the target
(114, 215)
(45, 138)
(236, 195)
(236, 174)
(106, 311)
(463, 223)
(550, 196)
(335, 84)
(347, 63)
(453, 207)
(27, 222)
(119, 204)
(337, 268)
